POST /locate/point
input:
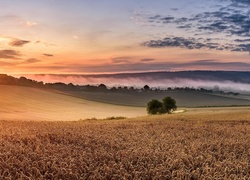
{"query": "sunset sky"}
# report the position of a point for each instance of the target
(113, 36)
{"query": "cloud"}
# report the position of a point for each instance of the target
(147, 60)
(129, 60)
(119, 60)
(31, 60)
(18, 42)
(193, 43)
(48, 55)
(132, 66)
(17, 20)
(231, 21)
(45, 44)
(29, 23)
(228, 81)
(241, 1)
(9, 54)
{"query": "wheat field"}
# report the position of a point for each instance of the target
(26, 103)
(198, 144)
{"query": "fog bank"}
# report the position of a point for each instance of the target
(139, 81)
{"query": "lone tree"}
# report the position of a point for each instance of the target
(167, 105)
(154, 107)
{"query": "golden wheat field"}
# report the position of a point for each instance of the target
(26, 103)
(198, 144)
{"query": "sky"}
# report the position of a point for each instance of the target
(116, 36)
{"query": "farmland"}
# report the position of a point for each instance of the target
(183, 98)
(50, 135)
(200, 143)
(26, 103)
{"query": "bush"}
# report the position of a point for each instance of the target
(167, 105)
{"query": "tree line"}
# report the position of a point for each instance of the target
(23, 81)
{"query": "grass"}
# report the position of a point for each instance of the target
(183, 99)
(209, 143)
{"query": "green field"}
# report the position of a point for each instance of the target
(183, 98)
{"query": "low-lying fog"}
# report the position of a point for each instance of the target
(139, 82)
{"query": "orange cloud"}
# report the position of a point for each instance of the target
(9, 54)
(48, 55)
(31, 60)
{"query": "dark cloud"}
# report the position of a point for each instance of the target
(226, 20)
(9, 54)
(193, 43)
(232, 21)
(18, 42)
(242, 40)
(48, 55)
(241, 1)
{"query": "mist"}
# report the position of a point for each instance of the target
(139, 81)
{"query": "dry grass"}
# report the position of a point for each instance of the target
(177, 146)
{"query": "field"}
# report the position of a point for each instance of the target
(183, 98)
(48, 135)
(24, 103)
(198, 144)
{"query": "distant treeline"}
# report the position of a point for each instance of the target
(23, 81)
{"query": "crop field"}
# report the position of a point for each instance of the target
(25, 103)
(212, 143)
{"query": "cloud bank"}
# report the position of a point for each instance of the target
(153, 80)
(231, 21)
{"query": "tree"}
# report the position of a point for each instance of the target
(169, 104)
(102, 87)
(154, 107)
(146, 88)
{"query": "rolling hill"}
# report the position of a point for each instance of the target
(25, 103)
(183, 98)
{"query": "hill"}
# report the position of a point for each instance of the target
(183, 98)
(26, 103)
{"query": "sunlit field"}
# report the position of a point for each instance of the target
(24, 103)
(212, 143)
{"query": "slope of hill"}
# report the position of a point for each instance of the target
(183, 98)
(24, 103)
